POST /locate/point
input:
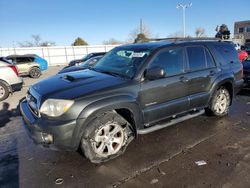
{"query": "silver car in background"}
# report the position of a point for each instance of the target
(9, 79)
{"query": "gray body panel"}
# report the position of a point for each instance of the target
(149, 101)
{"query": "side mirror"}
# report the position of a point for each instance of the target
(155, 73)
(92, 63)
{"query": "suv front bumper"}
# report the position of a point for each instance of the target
(58, 135)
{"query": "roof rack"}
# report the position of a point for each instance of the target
(175, 39)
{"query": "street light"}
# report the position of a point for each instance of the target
(184, 6)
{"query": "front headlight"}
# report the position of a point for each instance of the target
(55, 107)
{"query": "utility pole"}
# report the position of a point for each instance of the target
(141, 26)
(184, 7)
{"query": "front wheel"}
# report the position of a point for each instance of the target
(220, 102)
(106, 137)
(35, 72)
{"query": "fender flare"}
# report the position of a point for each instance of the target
(99, 107)
(224, 79)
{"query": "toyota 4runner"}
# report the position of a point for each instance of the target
(134, 89)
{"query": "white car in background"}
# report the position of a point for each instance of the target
(9, 79)
(236, 45)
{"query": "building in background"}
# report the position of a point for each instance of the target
(242, 31)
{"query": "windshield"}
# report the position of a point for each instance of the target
(91, 62)
(86, 57)
(6, 60)
(121, 62)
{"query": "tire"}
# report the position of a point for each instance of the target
(35, 72)
(106, 137)
(4, 91)
(220, 103)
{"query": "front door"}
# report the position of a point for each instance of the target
(166, 96)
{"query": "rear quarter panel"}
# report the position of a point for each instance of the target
(8, 75)
(43, 64)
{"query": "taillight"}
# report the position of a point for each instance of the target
(13, 67)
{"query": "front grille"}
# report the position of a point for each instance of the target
(33, 104)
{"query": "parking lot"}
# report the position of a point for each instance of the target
(165, 158)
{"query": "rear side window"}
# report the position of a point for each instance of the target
(23, 60)
(210, 61)
(196, 58)
(228, 53)
(32, 59)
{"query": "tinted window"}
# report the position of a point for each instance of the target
(210, 61)
(196, 58)
(5, 61)
(228, 52)
(170, 60)
(31, 59)
(122, 61)
(241, 29)
(248, 29)
(23, 60)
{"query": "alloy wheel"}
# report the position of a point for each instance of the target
(108, 139)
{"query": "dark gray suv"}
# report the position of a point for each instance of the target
(134, 89)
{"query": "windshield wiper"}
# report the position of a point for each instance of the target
(110, 73)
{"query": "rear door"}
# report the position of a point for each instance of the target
(231, 61)
(167, 96)
(201, 72)
(23, 64)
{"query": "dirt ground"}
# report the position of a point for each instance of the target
(165, 158)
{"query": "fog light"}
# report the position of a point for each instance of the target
(47, 138)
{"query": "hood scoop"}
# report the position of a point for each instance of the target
(73, 78)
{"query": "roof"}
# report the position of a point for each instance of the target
(156, 43)
(26, 55)
(246, 21)
(146, 45)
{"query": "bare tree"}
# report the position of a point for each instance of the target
(176, 34)
(223, 32)
(46, 44)
(112, 41)
(36, 41)
(200, 32)
(142, 29)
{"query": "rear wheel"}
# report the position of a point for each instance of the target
(4, 91)
(220, 102)
(106, 137)
(35, 72)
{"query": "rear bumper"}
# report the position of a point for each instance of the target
(40, 129)
(17, 87)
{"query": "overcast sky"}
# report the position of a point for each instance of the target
(61, 21)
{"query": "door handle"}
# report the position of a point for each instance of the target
(184, 79)
(212, 73)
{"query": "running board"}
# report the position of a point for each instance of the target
(172, 122)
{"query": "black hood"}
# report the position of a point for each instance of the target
(75, 84)
(71, 69)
